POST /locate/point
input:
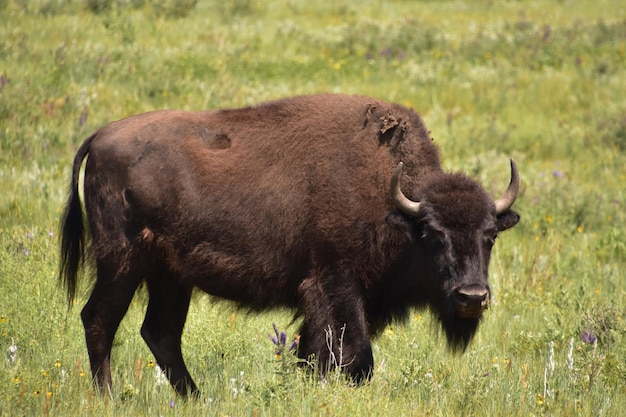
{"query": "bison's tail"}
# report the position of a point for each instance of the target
(73, 229)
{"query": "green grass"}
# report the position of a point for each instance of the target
(543, 82)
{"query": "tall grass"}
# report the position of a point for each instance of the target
(543, 82)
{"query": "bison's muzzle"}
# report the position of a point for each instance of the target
(470, 301)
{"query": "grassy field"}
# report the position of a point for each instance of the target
(541, 81)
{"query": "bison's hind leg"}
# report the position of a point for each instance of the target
(113, 291)
(163, 327)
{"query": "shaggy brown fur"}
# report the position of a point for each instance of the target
(285, 204)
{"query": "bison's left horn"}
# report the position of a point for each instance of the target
(406, 206)
(506, 201)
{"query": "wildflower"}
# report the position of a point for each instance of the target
(279, 339)
(558, 174)
(12, 354)
(171, 403)
(386, 52)
(159, 376)
(57, 364)
(588, 336)
(83, 118)
(3, 319)
(539, 399)
(16, 379)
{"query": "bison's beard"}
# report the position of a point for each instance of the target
(459, 331)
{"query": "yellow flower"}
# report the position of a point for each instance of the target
(580, 229)
(49, 394)
(151, 364)
(44, 373)
(57, 364)
(539, 399)
(3, 319)
(16, 379)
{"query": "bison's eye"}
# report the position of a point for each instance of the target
(432, 240)
(490, 240)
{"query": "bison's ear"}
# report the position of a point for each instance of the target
(507, 220)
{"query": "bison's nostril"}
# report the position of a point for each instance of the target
(471, 300)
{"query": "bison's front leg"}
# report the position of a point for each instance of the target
(335, 332)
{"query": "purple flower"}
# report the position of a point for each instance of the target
(293, 345)
(588, 336)
(171, 403)
(279, 339)
(386, 52)
(83, 117)
(558, 174)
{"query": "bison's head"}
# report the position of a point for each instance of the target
(454, 225)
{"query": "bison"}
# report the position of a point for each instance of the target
(334, 206)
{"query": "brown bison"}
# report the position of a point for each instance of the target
(335, 206)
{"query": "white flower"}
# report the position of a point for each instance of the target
(12, 354)
(160, 376)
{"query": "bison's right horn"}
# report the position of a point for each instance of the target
(406, 206)
(506, 201)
